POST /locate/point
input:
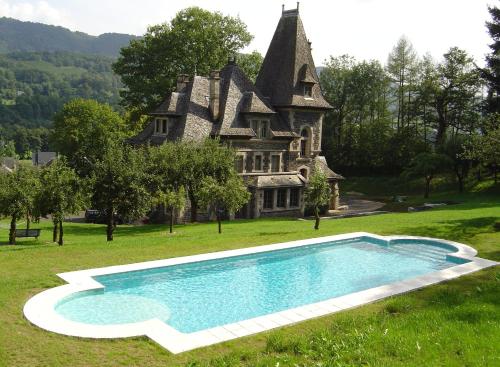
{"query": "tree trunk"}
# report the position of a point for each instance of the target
(460, 183)
(171, 218)
(61, 241)
(441, 130)
(194, 207)
(28, 222)
(316, 215)
(219, 221)
(12, 232)
(427, 186)
(111, 224)
(54, 231)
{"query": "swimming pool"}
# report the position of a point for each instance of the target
(185, 303)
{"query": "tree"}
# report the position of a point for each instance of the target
(171, 199)
(120, 185)
(457, 102)
(168, 175)
(209, 158)
(250, 64)
(226, 195)
(461, 164)
(7, 149)
(82, 131)
(492, 72)
(427, 165)
(62, 194)
(196, 41)
(18, 193)
(317, 193)
(427, 89)
(485, 147)
(400, 66)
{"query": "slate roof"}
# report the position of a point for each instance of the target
(288, 65)
(174, 104)
(320, 162)
(278, 181)
(238, 96)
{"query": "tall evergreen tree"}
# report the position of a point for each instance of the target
(492, 72)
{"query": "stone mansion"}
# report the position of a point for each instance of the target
(274, 124)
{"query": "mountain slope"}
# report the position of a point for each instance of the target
(16, 36)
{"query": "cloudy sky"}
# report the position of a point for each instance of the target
(366, 29)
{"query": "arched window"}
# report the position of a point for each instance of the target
(304, 143)
(303, 172)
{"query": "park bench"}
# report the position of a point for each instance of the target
(21, 233)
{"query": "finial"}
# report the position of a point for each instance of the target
(282, 8)
(298, 6)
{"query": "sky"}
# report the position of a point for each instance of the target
(365, 29)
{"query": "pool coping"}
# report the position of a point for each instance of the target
(40, 309)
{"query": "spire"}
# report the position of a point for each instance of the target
(288, 75)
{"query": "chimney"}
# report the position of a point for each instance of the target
(182, 81)
(214, 94)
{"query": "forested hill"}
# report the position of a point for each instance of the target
(35, 85)
(16, 36)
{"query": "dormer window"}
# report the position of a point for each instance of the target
(308, 90)
(162, 126)
(261, 128)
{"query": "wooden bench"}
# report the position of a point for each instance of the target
(21, 233)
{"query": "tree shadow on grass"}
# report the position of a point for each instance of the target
(129, 230)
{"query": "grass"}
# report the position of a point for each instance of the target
(456, 323)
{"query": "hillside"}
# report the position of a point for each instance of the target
(35, 85)
(19, 36)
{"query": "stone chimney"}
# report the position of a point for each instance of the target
(182, 81)
(214, 94)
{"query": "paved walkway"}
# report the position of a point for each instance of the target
(359, 205)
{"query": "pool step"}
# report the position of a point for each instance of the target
(420, 252)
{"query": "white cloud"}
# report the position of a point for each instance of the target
(38, 11)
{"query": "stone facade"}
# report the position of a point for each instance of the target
(275, 125)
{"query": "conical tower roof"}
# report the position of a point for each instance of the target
(288, 69)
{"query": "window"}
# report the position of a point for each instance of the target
(294, 197)
(260, 128)
(238, 164)
(303, 172)
(268, 199)
(275, 163)
(257, 165)
(263, 129)
(281, 200)
(255, 127)
(304, 143)
(162, 126)
(308, 91)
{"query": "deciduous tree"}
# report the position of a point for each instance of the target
(427, 166)
(317, 193)
(194, 42)
(120, 185)
(18, 193)
(223, 195)
(62, 193)
(82, 131)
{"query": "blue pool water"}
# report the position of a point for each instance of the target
(196, 296)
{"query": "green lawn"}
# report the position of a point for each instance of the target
(456, 323)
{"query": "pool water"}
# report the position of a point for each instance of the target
(196, 296)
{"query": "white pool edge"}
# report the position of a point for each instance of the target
(40, 309)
